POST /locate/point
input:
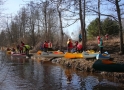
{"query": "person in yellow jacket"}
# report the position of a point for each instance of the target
(26, 49)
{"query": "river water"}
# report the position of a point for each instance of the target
(28, 74)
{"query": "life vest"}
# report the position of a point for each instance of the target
(101, 43)
(26, 47)
(45, 45)
(98, 39)
(22, 43)
(79, 46)
(49, 45)
(70, 44)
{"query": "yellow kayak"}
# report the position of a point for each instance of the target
(73, 55)
(90, 51)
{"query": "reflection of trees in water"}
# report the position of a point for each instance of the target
(68, 73)
(51, 77)
(3, 70)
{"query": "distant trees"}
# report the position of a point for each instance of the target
(108, 26)
(41, 20)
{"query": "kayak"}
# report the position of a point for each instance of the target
(18, 55)
(103, 56)
(73, 55)
(49, 55)
(89, 55)
(109, 66)
(39, 52)
(57, 52)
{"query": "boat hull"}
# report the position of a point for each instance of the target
(102, 57)
(89, 55)
(111, 67)
(19, 55)
(50, 55)
(73, 55)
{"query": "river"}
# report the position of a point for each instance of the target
(28, 74)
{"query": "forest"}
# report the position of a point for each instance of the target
(46, 20)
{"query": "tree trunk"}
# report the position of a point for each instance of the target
(99, 24)
(81, 21)
(62, 35)
(84, 26)
(120, 26)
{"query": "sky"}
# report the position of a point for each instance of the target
(12, 6)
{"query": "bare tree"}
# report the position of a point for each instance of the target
(119, 14)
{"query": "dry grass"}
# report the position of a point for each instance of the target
(111, 41)
(111, 45)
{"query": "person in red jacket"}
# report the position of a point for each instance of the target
(69, 45)
(45, 46)
(49, 46)
(79, 48)
(106, 36)
(22, 43)
(98, 39)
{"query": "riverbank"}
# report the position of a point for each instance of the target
(85, 65)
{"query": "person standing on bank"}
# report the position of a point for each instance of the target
(45, 46)
(101, 45)
(49, 46)
(26, 49)
(69, 45)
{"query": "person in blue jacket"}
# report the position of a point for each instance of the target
(101, 45)
(80, 37)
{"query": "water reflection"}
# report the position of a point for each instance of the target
(28, 74)
(68, 74)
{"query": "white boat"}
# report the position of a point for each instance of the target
(89, 55)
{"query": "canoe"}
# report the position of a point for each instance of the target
(50, 55)
(18, 55)
(103, 56)
(89, 55)
(39, 52)
(73, 55)
(108, 66)
(57, 52)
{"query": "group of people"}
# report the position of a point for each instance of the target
(77, 46)
(23, 48)
(74, 47)
(46, 46)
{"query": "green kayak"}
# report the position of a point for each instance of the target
(109, 66)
